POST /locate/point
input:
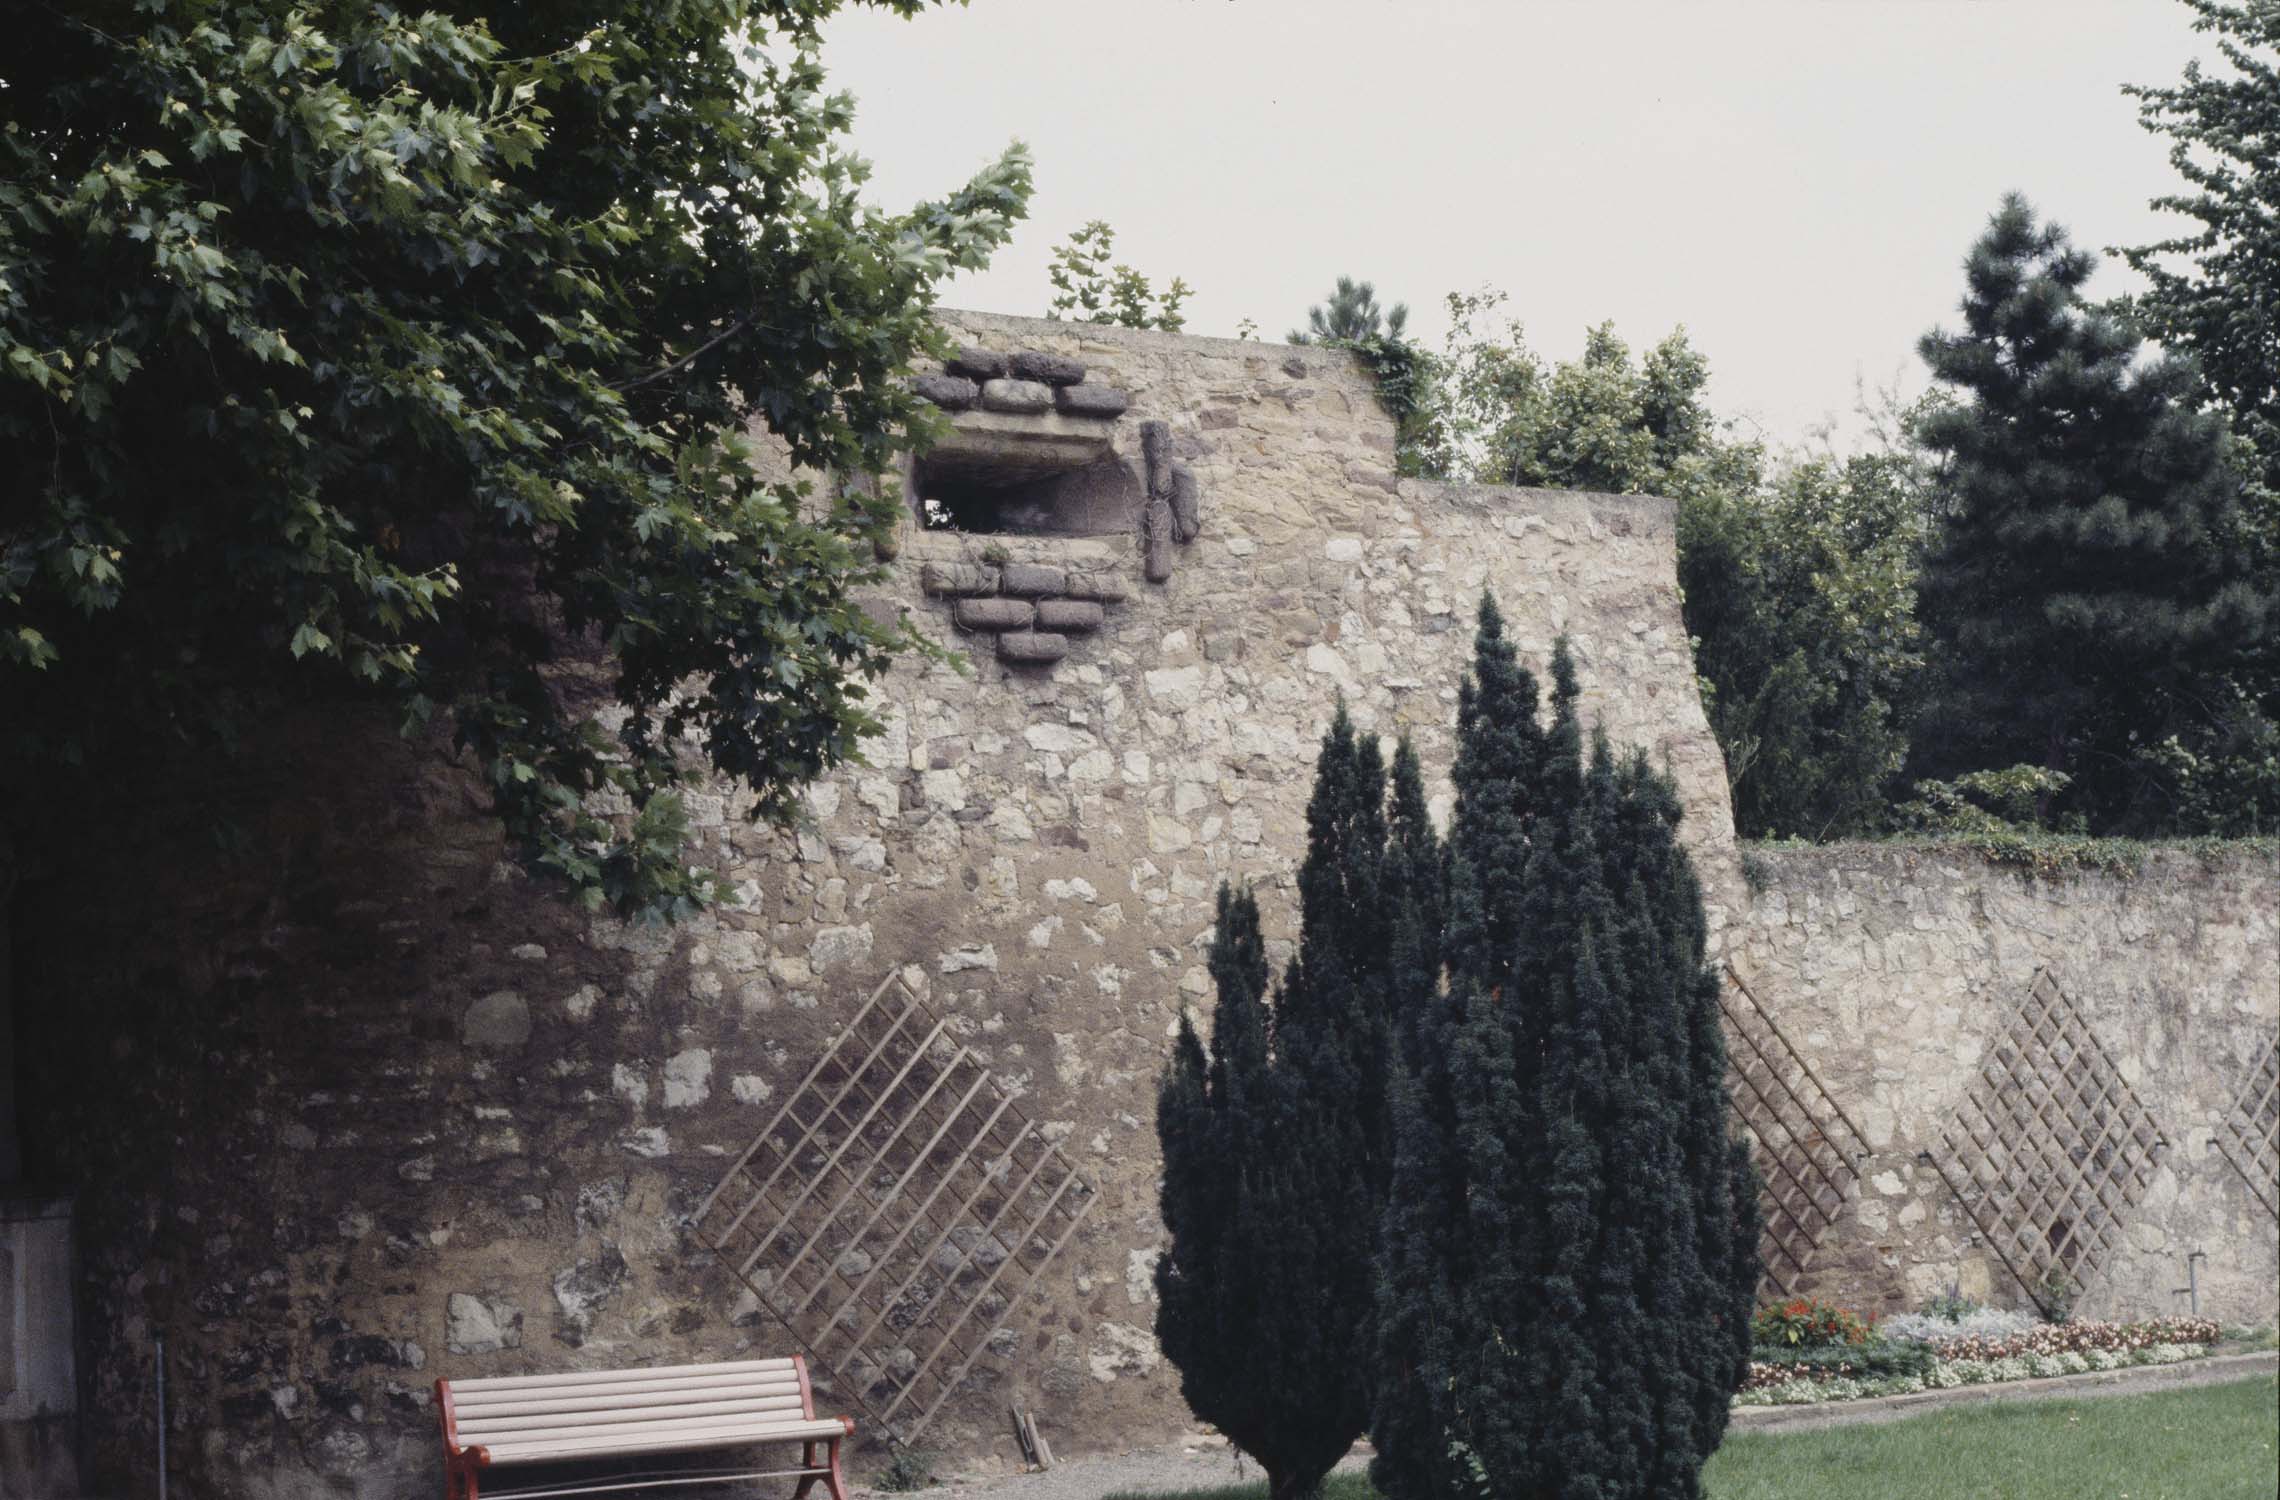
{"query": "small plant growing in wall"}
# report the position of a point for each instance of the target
(1087, 288)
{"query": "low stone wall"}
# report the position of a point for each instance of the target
(1898, 973)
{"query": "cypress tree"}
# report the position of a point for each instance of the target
(2086, 590)
(1569, 1256)
(1275, 1153)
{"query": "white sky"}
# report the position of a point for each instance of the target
(1795, 182)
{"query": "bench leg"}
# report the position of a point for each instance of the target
(837, 1480)
(807, 1481)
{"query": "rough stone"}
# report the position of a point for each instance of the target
(958, 579)
(1187, 504)
(1032, 646)
(475, 1324)
(583, 1290)
(499, 1020)
(994, 614)
(1092, 400)
(950, 392)
(1070, 616)
(977, 363)
(1032, 579)
(1017, 396)
(1096, 583)
(1047, 369)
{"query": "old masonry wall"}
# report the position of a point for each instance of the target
(370, 1108)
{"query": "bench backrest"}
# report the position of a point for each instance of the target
(671, 1402)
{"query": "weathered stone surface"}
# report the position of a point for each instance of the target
(1017, 396)
(1069, 616)
(954, 579)
(1031, 579)
(951, 392)
(1047, 369)
(1097, 583)
(977, 363)
(498, 1020)
(1021, 445)
(476, 1324)
(1186, 503)
(1156, 541)
(994, 614)
(1092, 400)
(1032, 646)
(583, 1290)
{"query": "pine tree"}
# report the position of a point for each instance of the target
(1275, 1150)
(1353, 316)
(2081, 596)
(1569, 1243)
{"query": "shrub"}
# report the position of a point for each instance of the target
(1979, 1322)
(1799, 1323)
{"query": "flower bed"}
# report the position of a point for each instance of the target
(1899, 1367)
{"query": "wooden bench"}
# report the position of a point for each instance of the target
(595, 1414)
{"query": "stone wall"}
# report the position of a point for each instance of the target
(1898, 972)
(366, 1107)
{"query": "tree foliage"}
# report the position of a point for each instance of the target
(1089, 287)
(1351, 316)
(1276, 1149)
(2215, 297)
(2088, 592)
(2213, 289)
(1569, 1252)
(1798, 584)
(347, 349)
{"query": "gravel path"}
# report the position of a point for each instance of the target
(1197, 1462)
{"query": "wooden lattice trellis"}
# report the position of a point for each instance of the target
(894, 1210)
(2249, 1134)
(2050, 1148)
(1807, 1150)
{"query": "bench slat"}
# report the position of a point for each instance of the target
(622, 1390)
(614, 1400)
(482, 1429)
(783, 1368)
(681, 1438)
(636, 1433)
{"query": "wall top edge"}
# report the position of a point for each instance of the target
(2174, 861)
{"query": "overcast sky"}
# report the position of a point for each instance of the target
(1796, 183)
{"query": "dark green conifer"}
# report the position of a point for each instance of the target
(2086, 592)
(1275, 1150)
(1569, 1251)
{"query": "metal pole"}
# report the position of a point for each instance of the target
(160, 1340)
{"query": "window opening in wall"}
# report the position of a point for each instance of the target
(1098, 499)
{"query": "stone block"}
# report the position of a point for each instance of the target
(1071, 616)
(1032, 646)
(994, 614)
(1048, 369)
(998, 446)
(1032, 579)
(951, 392)
(979, 363)
(958, 579)
(1097, 583)
(1017, 396)
(1092, 400)
(1187, 504)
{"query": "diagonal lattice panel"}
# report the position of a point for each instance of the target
(2249, 1134)
(2050, 1148)
(894, 1210)
(1807, 1150)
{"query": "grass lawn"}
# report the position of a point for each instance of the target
(2213, 1443)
